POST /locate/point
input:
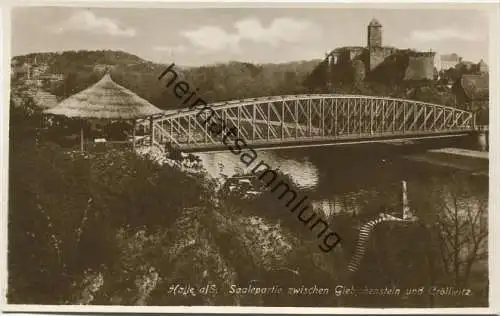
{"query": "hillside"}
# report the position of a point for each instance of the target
(216, 82)
(72, 71)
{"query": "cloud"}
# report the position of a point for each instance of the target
(280, 30)
(444, 34)
(87, 21)
(212, 38)
(176, 49)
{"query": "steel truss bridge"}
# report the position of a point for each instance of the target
(309, 120)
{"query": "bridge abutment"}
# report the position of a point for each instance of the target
(481, 138)
(482, 141)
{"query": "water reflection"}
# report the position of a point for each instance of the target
(344, 179)
(302, 171)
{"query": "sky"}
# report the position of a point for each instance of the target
(200, 36)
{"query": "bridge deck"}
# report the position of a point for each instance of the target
(330, 140)
(291, 121)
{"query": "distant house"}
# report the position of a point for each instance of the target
(472, 93)
(483, 66)
(35, 75)
(44, 99)
(38, 70)
(20, 71)
(40, 98)
(47, 79)
(449, 61)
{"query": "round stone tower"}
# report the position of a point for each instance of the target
(374, 34)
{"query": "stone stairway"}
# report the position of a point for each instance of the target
(362, 242)
(366, 229)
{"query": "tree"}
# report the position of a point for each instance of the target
(463, 232)
(453, 207)
(65, 212)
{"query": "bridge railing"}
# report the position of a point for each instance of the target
(313, 117)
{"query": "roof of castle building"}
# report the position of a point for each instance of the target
(374, 22)
(344, 48)
(450, 57)
(476, 87)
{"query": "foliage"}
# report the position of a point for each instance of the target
(65, 210)
(106, 228)
(456, 219)
(454, 74)
(218, 82)
(463, 230)
(115, 228)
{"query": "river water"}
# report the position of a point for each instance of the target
(356, 177)
(363, 180)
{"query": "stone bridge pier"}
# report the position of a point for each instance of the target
(482, 135)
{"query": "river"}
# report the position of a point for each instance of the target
(346, 178)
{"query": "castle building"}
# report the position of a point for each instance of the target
(449, 61)
(374, 34)
(375, 54)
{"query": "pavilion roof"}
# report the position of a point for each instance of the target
(105, 100)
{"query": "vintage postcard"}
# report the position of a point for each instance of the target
(240, 155)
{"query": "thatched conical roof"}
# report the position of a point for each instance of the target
(105, 100)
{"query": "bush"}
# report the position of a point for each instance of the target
(65, 210)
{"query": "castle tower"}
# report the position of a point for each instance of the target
(374, 34)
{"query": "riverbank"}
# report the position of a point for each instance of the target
(473, 161)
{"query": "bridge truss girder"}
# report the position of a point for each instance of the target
(309, 118)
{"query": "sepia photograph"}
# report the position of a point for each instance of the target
(260, 156)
